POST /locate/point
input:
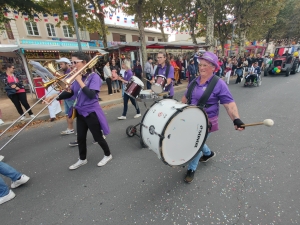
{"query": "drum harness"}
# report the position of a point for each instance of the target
(202, 101)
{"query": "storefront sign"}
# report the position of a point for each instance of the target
(9, 32)
(42, 55)
(49, 55)
(52, 43)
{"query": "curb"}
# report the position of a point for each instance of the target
(102, 104)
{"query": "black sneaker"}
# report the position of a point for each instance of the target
(205, 158)
(189, 176)
(73, 144)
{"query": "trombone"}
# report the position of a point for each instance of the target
(68, 82)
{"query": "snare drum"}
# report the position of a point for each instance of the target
(134, 87)
(146, 94)
(159, 85)
(174, 131)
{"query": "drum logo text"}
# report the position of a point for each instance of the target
(198, 136)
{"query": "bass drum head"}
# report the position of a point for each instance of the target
(184, 135)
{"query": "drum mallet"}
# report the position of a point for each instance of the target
(266, 122)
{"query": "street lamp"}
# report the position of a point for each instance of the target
(75, 26)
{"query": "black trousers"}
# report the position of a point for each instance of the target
(91, 123)
(108, 82)
(19, 99)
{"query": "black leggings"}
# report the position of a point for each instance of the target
(19, 99)
(109, 88)
(91, 123)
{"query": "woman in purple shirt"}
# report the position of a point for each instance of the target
(89, 113)
(127, 77)
(208, 63)
(163, 64)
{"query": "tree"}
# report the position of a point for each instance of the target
(25, 6)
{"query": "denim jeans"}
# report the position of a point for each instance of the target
(10, 172)
(133, 102)
(115, 84)
(205, 151)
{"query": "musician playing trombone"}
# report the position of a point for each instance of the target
(90, 116)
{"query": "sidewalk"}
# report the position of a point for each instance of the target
(10, 114)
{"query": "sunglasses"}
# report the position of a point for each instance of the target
(76, 61)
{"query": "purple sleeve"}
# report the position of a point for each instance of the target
(224, 94)
(171, 73)
(94, 83)
(129, 75)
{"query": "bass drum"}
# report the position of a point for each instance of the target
(174, 131)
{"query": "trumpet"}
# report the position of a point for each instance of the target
(61, 81)
(49, 65)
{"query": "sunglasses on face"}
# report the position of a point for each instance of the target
(76, 61)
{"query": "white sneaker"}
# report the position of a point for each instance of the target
(79, 163)
(122, 118)
(105, 160)
(137, 116)
(7, 197)
(32, 116)
(1, 122)
(22, 180)
(67, 131)
(1, 157)
(23, 118)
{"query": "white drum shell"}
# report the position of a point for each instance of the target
(184, 132)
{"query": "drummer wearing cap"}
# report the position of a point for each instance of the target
(161, 69)
(64, 65)
(208, 63)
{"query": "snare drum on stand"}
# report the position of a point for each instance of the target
(174, 131)
(134, 87)
(159, 85)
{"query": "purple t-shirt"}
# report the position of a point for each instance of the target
(162, 71)
(85, 105)
(127, 75)
(220, 94)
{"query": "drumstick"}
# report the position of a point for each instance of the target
(147, 80)
(266, 122)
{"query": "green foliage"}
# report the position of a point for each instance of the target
(24, 6)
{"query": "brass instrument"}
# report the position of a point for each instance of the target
(82, 71)
(49, 65)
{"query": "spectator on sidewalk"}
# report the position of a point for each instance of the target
(176, 69)
(149, 71)
(65, 66)
(15, 90)
(179, 64)
(192, 70)
(1, 121)
(17, 179)
(137, 70)
(107, 75)
(115, 70)
(228, 70)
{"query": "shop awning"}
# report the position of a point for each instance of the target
(58, 48)
(8, 48)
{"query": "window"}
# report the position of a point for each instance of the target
(67, 31)
(159, 40)
(32, 28)
(122, 37)
(50, 30)
(151, 39)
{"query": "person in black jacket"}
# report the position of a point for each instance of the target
(15, 90)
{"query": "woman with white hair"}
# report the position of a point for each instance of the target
(126, 78)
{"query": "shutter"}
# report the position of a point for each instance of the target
(116, 37)
(135, 38)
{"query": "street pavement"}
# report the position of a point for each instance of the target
(254, 178)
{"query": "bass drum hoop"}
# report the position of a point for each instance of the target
(164, 130)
